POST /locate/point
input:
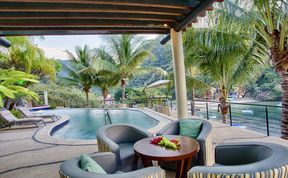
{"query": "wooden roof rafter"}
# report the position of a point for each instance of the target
(52, 17)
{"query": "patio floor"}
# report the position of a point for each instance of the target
(22, 156)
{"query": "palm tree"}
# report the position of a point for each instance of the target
(11, 82)
(105, 82)
(82, 71)
(124, 59)
(23, 55)
(194, 83)
(272, 26)
(227, 53)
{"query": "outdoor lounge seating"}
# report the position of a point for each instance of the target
(27, 113)
(247, 159)
(204, 139)
(119, 139)
(108, 161)
(10, 119)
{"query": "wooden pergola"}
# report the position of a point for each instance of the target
(82, 17)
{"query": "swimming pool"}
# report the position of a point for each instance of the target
(84, 123)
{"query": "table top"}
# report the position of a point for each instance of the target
(188, 147)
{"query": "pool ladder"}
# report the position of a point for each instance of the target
(107, 117)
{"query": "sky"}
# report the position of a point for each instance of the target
(54, 46)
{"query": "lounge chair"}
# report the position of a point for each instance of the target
(27, 113)
(10, 119)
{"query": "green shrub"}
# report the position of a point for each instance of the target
(63, 96)
(53, 106)
(16, 113)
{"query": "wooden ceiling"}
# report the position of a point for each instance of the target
(71, 17)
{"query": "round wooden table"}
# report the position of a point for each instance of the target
(188, 148)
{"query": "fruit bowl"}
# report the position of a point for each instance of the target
(165, 142)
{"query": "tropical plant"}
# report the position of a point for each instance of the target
(227, 52)
(11, 84)
(105, 82)
(194, 83)
(124, 58)
(272, 26)
(24, 56)
(63, 95)
(82, 72)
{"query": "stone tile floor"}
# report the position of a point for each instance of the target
(21, 156)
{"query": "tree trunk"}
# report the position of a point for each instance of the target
(87, 95)
(223, 103)
(123, 83)
(280, 63)
(193, 102)
(284, 121)
(104, 94)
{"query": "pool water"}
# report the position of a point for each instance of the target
(84, 123)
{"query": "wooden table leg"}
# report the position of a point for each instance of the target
(180, 166)
(146, 162)
(186, 167)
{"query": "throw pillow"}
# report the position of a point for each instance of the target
(190, 128)
(90, 165)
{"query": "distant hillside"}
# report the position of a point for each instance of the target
(62, 73)
(163, 60)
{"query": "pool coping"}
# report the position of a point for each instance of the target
(42, 135)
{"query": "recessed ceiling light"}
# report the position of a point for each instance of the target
(165, 25)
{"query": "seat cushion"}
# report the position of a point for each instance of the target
(190, 128)
(119, 172)
(90, 165)
(126, 150)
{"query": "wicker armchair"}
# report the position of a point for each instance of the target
(119, 139)
(108, 161)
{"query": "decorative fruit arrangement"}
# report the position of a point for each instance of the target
(165, 142)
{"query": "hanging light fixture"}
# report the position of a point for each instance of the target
(4, 42)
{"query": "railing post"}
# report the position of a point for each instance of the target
(230, 115)
(267, 121)
(207, 113)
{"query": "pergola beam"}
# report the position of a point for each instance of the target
(90, 15)
(74, 7)
(202, 6)
(83, 22)
(178, 4)
(4, 31)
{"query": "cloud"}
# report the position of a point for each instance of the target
(55, 53)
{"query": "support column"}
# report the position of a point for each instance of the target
(45, 98)
(179, 74)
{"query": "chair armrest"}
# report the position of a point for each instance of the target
(171, 128)
(205, 132)
(107, 145)
(215, 171)
(140, 133)
(205, 142)
(143, 173)
(106, 160)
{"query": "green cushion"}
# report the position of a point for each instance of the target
(190, 128)
(90, 165)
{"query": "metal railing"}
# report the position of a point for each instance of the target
(258, 117)
(262, 118)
